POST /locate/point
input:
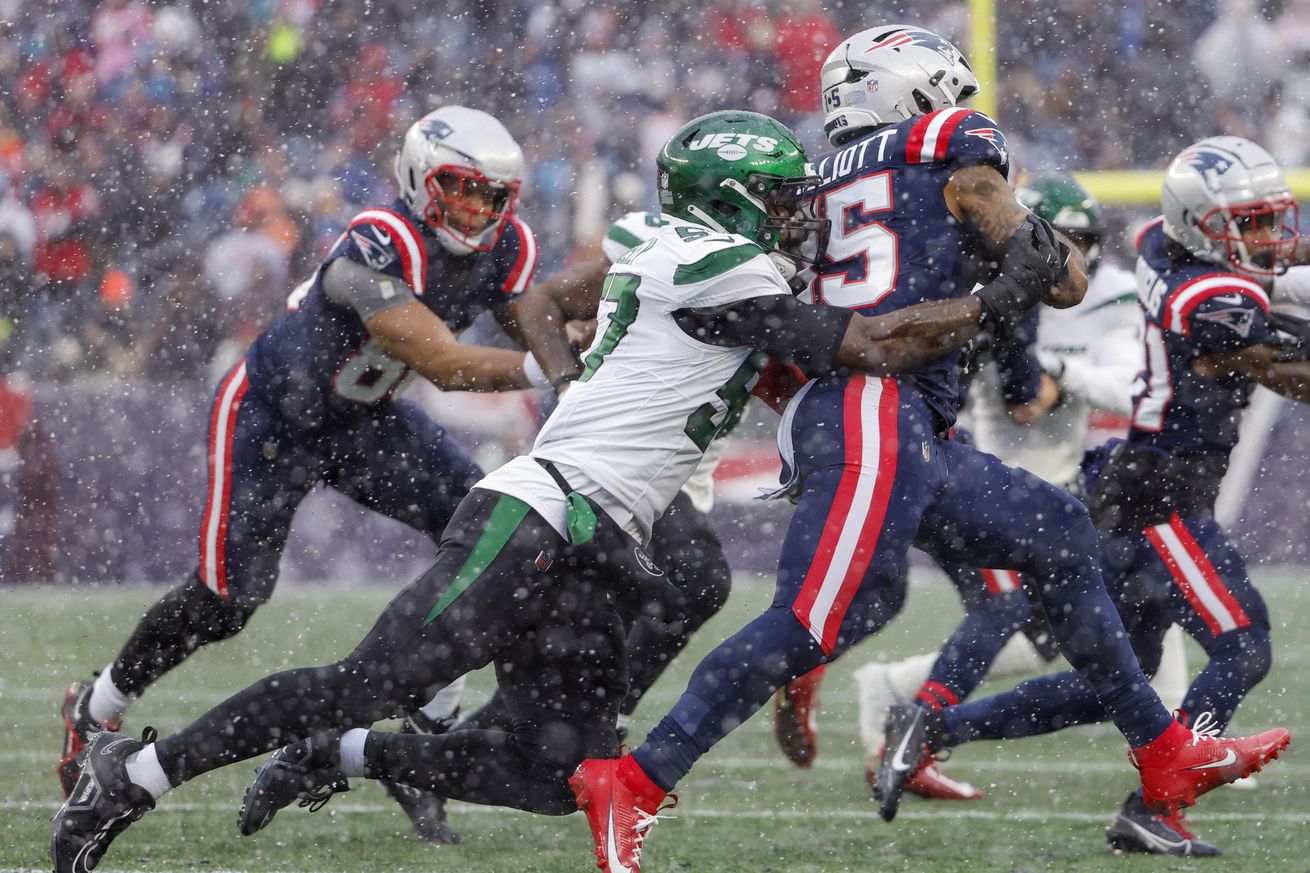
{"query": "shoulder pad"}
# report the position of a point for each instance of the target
(516, 254)
(1212, 295)
(629, 232)
(957, 136)
(388, 242)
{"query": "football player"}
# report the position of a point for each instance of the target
(314, 398)
(542, 555)
(1091, 355)
(920, 210)
(1204, 270)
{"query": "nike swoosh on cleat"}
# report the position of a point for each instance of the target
(116, 743)
(899, 763)
(1155, 839)
(611, 849)
(1229, 757)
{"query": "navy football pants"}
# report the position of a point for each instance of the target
(876, 480)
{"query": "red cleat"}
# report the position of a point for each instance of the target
(795, 717)
(1183, 763)
(928, 781)
(79, 729)
(622, 805)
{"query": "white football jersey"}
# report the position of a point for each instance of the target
(651, 399)
(1098, 343)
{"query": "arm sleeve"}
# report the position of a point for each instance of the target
(363, 289)
(1016, 361)
(790, 331)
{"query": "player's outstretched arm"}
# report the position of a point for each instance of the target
(536, 320)
(980, 197)
(412, 334)
(1260, 363)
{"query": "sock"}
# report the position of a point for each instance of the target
(107, 703)
(936, 695)
(907, 677)
(1171, 680)
(352, 751)
(143, 769)
(623, 722)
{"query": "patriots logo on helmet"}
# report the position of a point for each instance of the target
(923, 38)
(993, 136)
(436, 129)
(378, 252)
(1202, 160)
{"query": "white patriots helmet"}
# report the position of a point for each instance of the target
(451, 149)
(888, 74)
(1221, 186)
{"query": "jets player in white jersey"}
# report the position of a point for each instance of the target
(542, 559)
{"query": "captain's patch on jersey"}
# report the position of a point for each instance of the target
(377, 249)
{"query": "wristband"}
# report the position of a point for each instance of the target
(532, 371)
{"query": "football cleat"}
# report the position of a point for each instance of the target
(928, 781)
(912, 734)
(426, 809)
(1184, 763)
(306, 771)
(620, 816)
(79, 728)
(795, 717)
(104, 801)
(1137, 829)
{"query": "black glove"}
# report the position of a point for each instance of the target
(1034, 263)
(1293, 339)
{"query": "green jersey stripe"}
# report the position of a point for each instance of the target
(504, 520)
(715, 264)
(625, 238)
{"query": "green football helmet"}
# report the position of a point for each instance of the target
(1070, 208)
(745, 173)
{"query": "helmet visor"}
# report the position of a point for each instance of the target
(1259, 237)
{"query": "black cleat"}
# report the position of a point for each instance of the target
(79, 728)
(103, 803)
(306, 771)
(1136, 828)
(426, 809)
(911, 732)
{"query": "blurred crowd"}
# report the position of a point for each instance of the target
(168, 171)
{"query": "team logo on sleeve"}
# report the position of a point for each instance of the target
(1237, 320)
(377, 249)
(995, 137)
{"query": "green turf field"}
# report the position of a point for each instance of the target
(743, 809)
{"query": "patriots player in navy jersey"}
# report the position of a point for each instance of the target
(1204, 271)
(314, 399)
(920, 210)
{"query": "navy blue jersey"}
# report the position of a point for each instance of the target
(317, 362)
(893, 242)
(1192, 307)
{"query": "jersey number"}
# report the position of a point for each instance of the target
(710, 421)
(864, 253)
(1149, 413)
(370, 374)
(620, 289)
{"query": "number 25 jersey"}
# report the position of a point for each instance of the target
(893, 243)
